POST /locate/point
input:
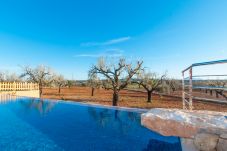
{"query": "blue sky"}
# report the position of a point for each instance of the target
(70, 35)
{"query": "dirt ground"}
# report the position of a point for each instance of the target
(127, 99)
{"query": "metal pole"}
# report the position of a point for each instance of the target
(183, 91)
(190, 89)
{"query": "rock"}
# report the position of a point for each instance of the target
(183, 123)
(224, 136)
(206, 142)
(169, 127)
(187, 144)
(222, 143)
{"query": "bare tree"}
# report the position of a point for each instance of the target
(42, 75)
(2, 76)
(220, 85)
(13, 77)
(94, 82)
(150, 82)
(172, 84)
(70, 83)
(118, 75)
(60, 82)
(9, 77)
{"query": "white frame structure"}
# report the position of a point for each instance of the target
(187, 97)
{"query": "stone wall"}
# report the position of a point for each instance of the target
(30, 93)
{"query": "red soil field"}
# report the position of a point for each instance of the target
(127, 99)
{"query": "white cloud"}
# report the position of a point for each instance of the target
(106, 53)
(106, 43)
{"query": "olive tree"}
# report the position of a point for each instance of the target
(42, 75)
(118, 74)
(93, 82)
(150, 82)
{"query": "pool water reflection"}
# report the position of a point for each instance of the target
(33, 124)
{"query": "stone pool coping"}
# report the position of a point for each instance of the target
(138, 110)
(184, 123)
(198, 130)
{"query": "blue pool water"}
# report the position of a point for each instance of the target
(44, 125)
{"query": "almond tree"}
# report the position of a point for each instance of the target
(13, 77)
(150, 82)
(220, 84)
(9, 77)
(60, 82)
(94, 82)
(70, 83)
(172, 84)
(118, 74)
(42, 75)
(2, 78)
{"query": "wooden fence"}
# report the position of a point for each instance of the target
(18, 86)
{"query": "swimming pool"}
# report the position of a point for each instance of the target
(34, 124)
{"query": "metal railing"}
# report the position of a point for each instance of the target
(187, 83)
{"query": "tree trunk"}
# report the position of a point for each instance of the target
(115, 98)
(92, 91)
(217, 95)
(168, 90)
(222, 94)
(149, 93)
(40, 91)
(59, 90)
